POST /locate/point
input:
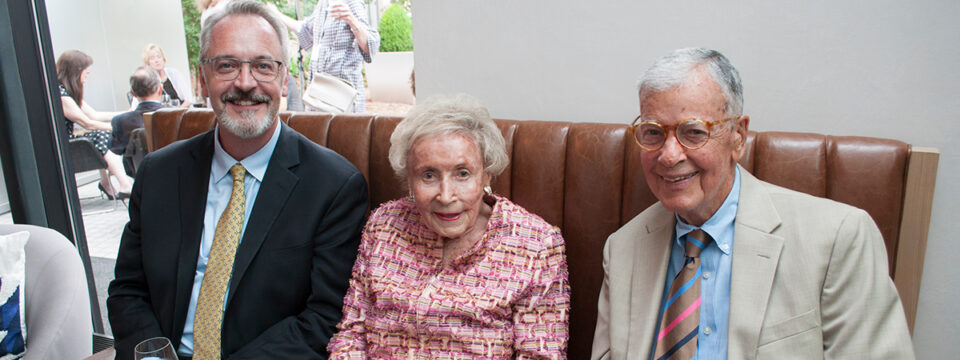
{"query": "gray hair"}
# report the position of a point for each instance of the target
(449, 114)
(144, 81)
(245, 7)
(671, 70)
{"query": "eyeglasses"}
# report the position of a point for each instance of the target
(227, 69)
(691, 133)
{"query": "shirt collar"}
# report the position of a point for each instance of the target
(720, 222)
(255, 164)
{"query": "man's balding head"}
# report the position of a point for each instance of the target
(144, 82)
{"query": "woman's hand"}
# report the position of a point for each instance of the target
(341, 11)
(74, 113)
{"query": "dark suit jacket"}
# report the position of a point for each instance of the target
(292, 266)
(124, 123)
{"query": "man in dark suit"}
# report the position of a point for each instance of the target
(291, 211)
(146, 87)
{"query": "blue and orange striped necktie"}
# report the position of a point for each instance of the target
(680, 314)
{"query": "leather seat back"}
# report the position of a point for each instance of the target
(586, 179)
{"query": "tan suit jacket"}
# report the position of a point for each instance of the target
(809, 280)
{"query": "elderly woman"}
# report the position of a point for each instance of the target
(175, 86)
(73, 68)
(453, 270)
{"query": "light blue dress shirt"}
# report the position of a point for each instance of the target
(218, 196)
(716, 263)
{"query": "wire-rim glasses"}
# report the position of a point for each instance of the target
(692, 133)
(228, 69)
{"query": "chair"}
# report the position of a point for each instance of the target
(586, 179)
(57, 304)
(86, 157)
(135, 151)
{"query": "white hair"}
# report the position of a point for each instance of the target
(245, 7)
(671, 71)
(449, 114)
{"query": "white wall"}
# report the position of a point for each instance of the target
(114, 33)
(883, 68)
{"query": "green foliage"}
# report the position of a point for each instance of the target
(191, 26)
(290, 8)
(295, 69)
(191, 30)
(396, 29)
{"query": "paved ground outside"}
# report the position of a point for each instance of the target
(374, 107)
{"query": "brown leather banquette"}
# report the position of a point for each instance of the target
(586, 179)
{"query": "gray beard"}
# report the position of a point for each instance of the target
(247, 127)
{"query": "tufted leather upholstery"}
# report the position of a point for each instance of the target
(586, 178)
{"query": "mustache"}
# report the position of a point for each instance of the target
(237, 95)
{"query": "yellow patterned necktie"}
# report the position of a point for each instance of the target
(208, 319)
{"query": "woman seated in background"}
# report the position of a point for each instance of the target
(73, 68)
(175, 86)
(453, 270)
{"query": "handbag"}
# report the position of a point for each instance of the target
(326, 92)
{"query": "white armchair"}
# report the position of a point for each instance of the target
(55, 291)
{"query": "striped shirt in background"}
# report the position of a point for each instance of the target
(340, 55)
(506, 297)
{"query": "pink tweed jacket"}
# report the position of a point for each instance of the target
(506, 297)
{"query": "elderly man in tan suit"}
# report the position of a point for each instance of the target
(728, 266)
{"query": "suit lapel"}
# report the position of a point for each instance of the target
(278, 183)
(192, 184)
(756, 253)
(646, 285)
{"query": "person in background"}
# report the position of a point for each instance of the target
(73, 69)
(294, 100)
(454, 270)
(348, 41)
(175, 85)
(208, 7)
(726, 266)
(145, 85)
(241, 239)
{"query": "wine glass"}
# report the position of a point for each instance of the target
(158, 348)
